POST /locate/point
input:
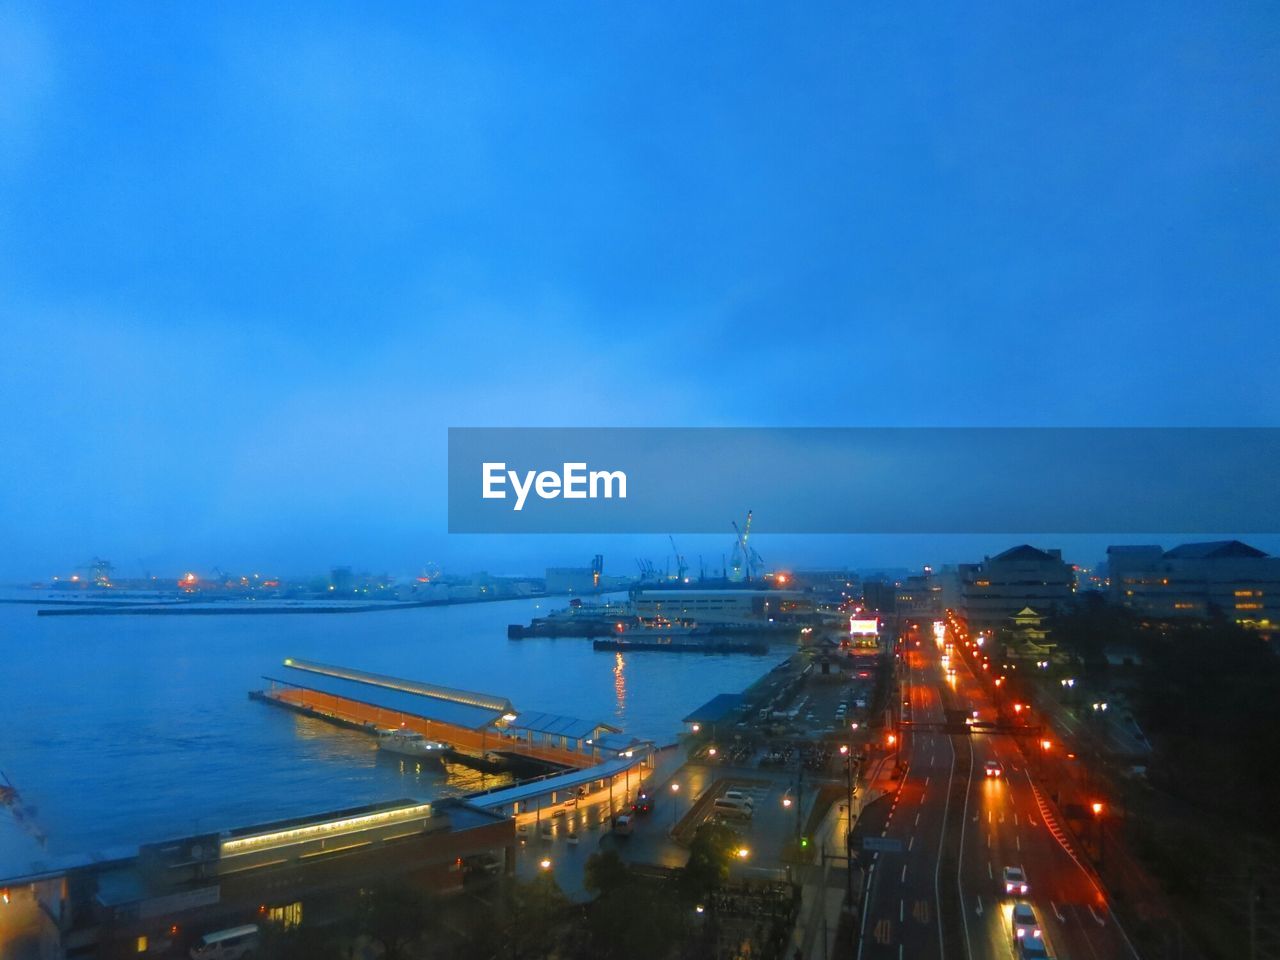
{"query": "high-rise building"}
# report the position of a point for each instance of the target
(1228, 577)
(999, 588)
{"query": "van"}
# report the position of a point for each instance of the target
(740, 797)
(234, 943)
(731, 808)
(623, 826)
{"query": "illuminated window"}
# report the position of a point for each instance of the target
(142, 944)
(1248, 606)
(1244, 593)
(1184, 606)
(290, 915)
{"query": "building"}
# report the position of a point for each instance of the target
(1197, 580)
(996, 590)
(880, 595)
(158, 898)
(572, 580)
(919, 597)
(740, 606)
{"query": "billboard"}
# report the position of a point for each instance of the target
(864, 628)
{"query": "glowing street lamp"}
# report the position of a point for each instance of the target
(675, 794)
(743, 853)
(545, 863)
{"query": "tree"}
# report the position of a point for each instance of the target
(707, 869)
(605, 872)
(396, 914)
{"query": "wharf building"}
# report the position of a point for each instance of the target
(1199, 580)
(740, 607)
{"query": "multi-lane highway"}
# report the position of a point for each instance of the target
(942, 893)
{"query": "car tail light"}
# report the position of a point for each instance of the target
(1024, 888)
(1008, 888)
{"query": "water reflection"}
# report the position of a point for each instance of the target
(619, 687)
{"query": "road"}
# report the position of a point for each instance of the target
(1004, 824)
(941, 894)
(900, 916)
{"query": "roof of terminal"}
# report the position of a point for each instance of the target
(401, 701)
(556, 725)
(563, 781)
(716, 709)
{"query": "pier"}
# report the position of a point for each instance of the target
(483, 730)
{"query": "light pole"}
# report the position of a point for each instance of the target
(846, 751)
(1098, 810)
(545, 866)
(675, 796)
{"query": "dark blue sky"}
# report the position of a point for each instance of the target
(254, 262)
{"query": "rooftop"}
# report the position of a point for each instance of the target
(401, 701)
(716, 709)
(1215, 550)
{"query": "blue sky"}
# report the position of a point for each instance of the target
(255, 260)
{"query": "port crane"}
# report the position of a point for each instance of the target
(746, 562)
(681, 567)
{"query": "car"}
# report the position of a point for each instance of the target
(740, 797)
(1015, 881)
(992, 768)
(1032, 949)
(624, 826)
(643, 804)
(1025, 922)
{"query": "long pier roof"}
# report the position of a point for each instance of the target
(468, 698)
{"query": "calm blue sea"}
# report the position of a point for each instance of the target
(121, 730)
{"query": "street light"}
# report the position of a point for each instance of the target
(675, 791)
(545, 863)
(743, 853)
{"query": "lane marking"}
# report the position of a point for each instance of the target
(1057, 913)
(904, 874)
(1094, 913)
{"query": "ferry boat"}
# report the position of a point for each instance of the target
(410, 743)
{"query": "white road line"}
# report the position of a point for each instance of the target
(902, 910)
(1017, 842)
(1057, 913)
(904, 873)
(911, 842)
(917, 819)
(1097, 919)
(990, 873)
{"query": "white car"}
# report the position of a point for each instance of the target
(1015, 881)
(1026, 925)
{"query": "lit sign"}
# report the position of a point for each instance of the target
(863, 628)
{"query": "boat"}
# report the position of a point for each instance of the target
(410, 743)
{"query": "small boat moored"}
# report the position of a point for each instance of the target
(410, 743)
